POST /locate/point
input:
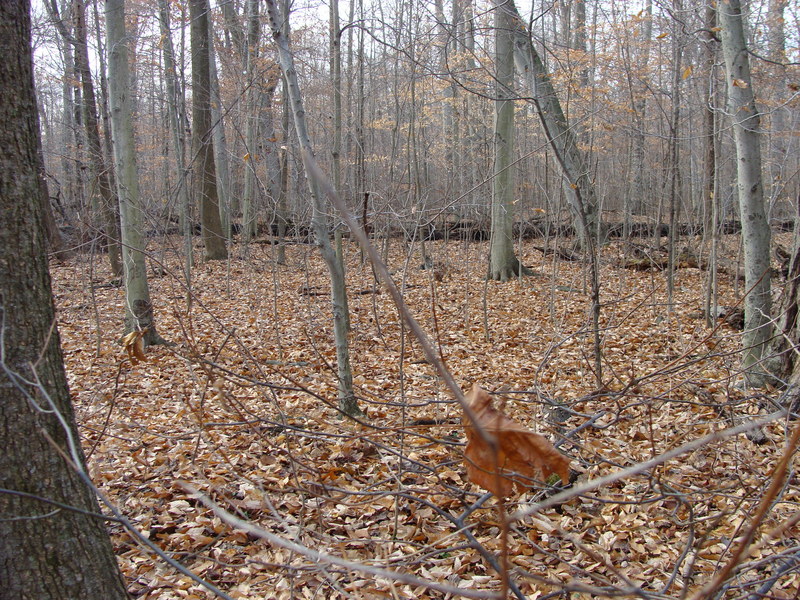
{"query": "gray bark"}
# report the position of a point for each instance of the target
(176, 108)
(100, 172)
(559, 134)
(227, 201)
(54, 542)
(347, 401)
(138, 308)
(104, 197)
(249, 220)
(503, 264)
(755, 228)
(636, 204)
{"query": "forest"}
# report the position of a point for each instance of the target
(405, 299)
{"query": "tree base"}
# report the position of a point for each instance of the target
(511, 270)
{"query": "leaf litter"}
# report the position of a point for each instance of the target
(243, 406)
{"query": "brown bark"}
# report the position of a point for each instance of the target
(46, 550)
(204, 167)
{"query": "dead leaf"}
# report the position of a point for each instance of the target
(134, 346)
(519, 456)
(740, 83)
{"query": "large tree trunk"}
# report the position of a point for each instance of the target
(205, 170)
(755, 228)
(138, 308)
(48, 551)
(347, 400)
(503, 264)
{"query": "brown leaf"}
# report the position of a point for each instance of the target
(520, 454)
(134, 346)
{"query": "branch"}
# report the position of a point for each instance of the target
(321, 557)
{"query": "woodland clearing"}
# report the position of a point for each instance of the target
(243, 408)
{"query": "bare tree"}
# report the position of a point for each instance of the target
(347, 400)
(571, 159)
(105, 198)
(138, 307)
(503, 264)
(755, 228)
(54, 543)
(205, 172)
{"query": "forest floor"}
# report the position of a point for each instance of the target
(242, 407)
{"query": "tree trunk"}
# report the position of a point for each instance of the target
(227, 201)
(249, 219)
(755, 228)
(138, 308)
(205, 172)
(101, 185)
(100, 173)
(347, 400)
(503, 264)
(47, 552)
(176, 106)
(560, 136)
(636, 205)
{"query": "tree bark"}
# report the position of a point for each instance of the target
(105, 199)
(347, 401)
(205, 171)
(755, 228)
(47, 551)
(138, 307)
(503, 264)
(100, 171)
(249, 218)
(559, 134)
(176, 107)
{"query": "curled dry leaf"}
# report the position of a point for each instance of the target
(519, 456)
(134, 346)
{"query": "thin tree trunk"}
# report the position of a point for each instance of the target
(138, 307)
(637, 203)
(100, 172)
(205, 172)
(100, 175)
(46, 553)
(249, 219)
(573, 163)
(674, 155)
(176, 118)
(226, 198)
(347, 400)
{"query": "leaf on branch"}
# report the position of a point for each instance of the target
(687, 72)
(741, 83)
(663, 35)
(517, 455)
(134, 346)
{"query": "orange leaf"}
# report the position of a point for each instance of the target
(519, 454)
(134, 346)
